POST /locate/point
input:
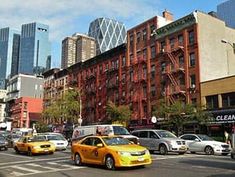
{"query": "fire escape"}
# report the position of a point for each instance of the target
(174, 69)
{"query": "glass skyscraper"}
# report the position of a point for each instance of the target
(9, 54)
(35, 48)
(225, 11)
(108, 34)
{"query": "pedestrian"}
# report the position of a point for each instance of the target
(226, 135)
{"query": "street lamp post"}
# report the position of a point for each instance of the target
(229, 43)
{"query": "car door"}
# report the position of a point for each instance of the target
(153, 140)
(85, 149)
(194, 143)
(21, 144)
(97, 154)
(144, 139)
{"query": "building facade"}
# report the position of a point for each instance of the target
(3, 94)
(225, 11)
(166, 61)
(9, 54)
(25, 111)
(108, 34)
(219, 97)
(77, 48)
(35, 48)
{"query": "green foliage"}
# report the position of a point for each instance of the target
(41, 127)
(68, 107)
(120, 113)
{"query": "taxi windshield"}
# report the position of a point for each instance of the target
(37, 139)
(119, 130)
(114, 141)
(55, 137)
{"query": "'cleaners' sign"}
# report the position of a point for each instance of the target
(223, 116)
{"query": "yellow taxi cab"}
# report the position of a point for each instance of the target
(34, 145)
(111, 151)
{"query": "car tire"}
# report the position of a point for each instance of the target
(209, 150)
(232, 156)
(224, 154)
(163, 149)
(17, 151)
(77, 159)
(29, 152)
(109, 163)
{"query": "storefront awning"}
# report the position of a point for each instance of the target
(223, 116)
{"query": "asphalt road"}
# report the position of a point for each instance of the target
(60, 165)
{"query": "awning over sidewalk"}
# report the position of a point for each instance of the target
(223, 116)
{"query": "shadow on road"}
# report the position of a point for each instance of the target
(223, 175)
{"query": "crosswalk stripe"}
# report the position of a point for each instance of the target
(25, 169)
(46, 167)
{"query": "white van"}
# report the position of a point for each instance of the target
(119, 130)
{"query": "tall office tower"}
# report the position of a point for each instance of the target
(9, 54)
(34, 48)
(68, 55)
(86, 48)
(225, 12)
(77, 48)
(108, 33)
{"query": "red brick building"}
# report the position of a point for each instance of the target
(26, 111)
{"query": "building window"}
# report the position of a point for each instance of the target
(194, 101)
(107, 67)
(172, 43)
(153, 52)
(25, 105)
(180, 40)
(192, 59)
(131, 76)
(181, 80)
(191, 37)
(153, 91)
(228, 99)
(153, 71)
(131, 40)
(138, 37)
(152, 28)
(163, 67)
(162, 46)
(123, 78)
(144, 35)
(144, 54)
(101, 69)
(212, 102)
(131, 58)
(181, 61)
(144, 91)
(123, 61)
(192, 81)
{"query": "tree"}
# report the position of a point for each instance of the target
(178, 114)
(119, 114)
(41, 127)
(67, 107)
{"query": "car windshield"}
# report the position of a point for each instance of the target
(119, 130)
(205, 138)
(165, 134)
(16, 136)
(37, 139)
(55, 137)
(114, 141)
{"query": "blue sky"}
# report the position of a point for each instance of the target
(66, 17)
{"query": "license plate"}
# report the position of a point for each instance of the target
(140, 159)
(183, 148)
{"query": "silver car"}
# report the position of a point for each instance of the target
(204, 143)
(160, 140)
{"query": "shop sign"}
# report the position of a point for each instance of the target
(223, 116)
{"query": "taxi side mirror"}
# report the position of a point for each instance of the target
(99, 145)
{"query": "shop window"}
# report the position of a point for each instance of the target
(228, 99)
(212, 102)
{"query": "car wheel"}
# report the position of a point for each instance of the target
(163, 149)
(110, 163)
(17, 151)
(30, 152)
(209, 150)
(78, 160)
(232, 156)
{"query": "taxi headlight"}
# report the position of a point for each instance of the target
(147, 152)
(124, 153)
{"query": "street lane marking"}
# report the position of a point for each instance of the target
(26, 169)
(37, 165)
(36, 160)
(15, 156)
(175, 157)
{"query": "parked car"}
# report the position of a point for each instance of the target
(160, 140)
(204, 143)
(3, 143)
(12, 139)
(111, 151)
(34, 145)
(57, 139)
